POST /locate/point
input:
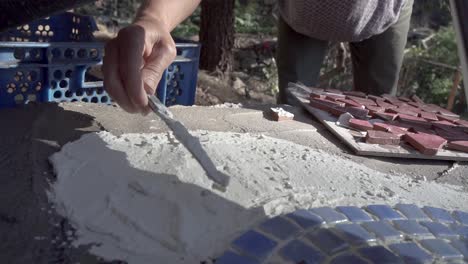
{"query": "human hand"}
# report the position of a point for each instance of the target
(134, 62)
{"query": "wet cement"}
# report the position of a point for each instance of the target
(32, 232)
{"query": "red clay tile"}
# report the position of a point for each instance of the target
(385, 104)
(401, 111)
(421, 130)
(324, 104)
(333, 97)
(355, 93)
(453, 135)
(362, 101)
(386, 116)
(445, 125)
(393, 100)
(414, 104)
(395, 130)
(428, 116)
(390, 98)
(358, 124)
(337, 111)
(429, 109)
(382, 138)
(416, 99)
(357, 112)
(315, 95)
(425, 143)
(462, 123)
(349, 102)
(458, 145)
(446, 118)
(399, 124)
(375, 109)
(408, 106)
(414, 120)
(375, 97)
(381, 127)
(446, 112)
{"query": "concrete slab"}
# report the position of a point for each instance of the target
(31, 230)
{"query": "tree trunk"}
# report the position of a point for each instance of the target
(217, 35)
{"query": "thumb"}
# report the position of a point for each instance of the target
(160, 58)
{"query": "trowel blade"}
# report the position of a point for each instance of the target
(190, 142)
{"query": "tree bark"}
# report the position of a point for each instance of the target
(217, 35)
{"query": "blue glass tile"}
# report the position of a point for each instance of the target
(299, 252)
(460, 230)
(441, 249)
(327, 241)
(383, 230)
(354, 233)
(411, 253)
(305, 218)
(412, 228)
(462, 217)
(438, 214)
(254, 244)
(330, 215)
(379, 254)
(355, 214)
(384, 212)
(412, 212)
(347, 259)
(233, 258)
(279, 228)
(462, 246)
(439, 230)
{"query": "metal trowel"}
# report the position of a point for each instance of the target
(190, 142)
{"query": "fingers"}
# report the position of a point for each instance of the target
(134, 63)
(131, 48)
(112, 81)
(162, 55)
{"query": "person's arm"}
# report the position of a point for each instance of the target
(136, 59)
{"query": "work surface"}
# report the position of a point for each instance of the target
(31, 231)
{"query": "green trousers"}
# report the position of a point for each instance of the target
(376, 61)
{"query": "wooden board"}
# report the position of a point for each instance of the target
(361, 148)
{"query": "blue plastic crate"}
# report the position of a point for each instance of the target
(62, 72)
(49, 72)
(180, 85)
(14, 53)
(63, 27)
(48, 83)
(52, 63)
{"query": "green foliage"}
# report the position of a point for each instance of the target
(431, 82)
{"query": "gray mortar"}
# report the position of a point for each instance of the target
(31, 231)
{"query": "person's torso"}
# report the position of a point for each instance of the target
(340, 20)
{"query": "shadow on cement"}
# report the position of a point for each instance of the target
(201, 208)
(28, 136)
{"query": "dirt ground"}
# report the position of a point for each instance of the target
(213, 90)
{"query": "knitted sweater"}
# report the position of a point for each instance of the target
(340, 20)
